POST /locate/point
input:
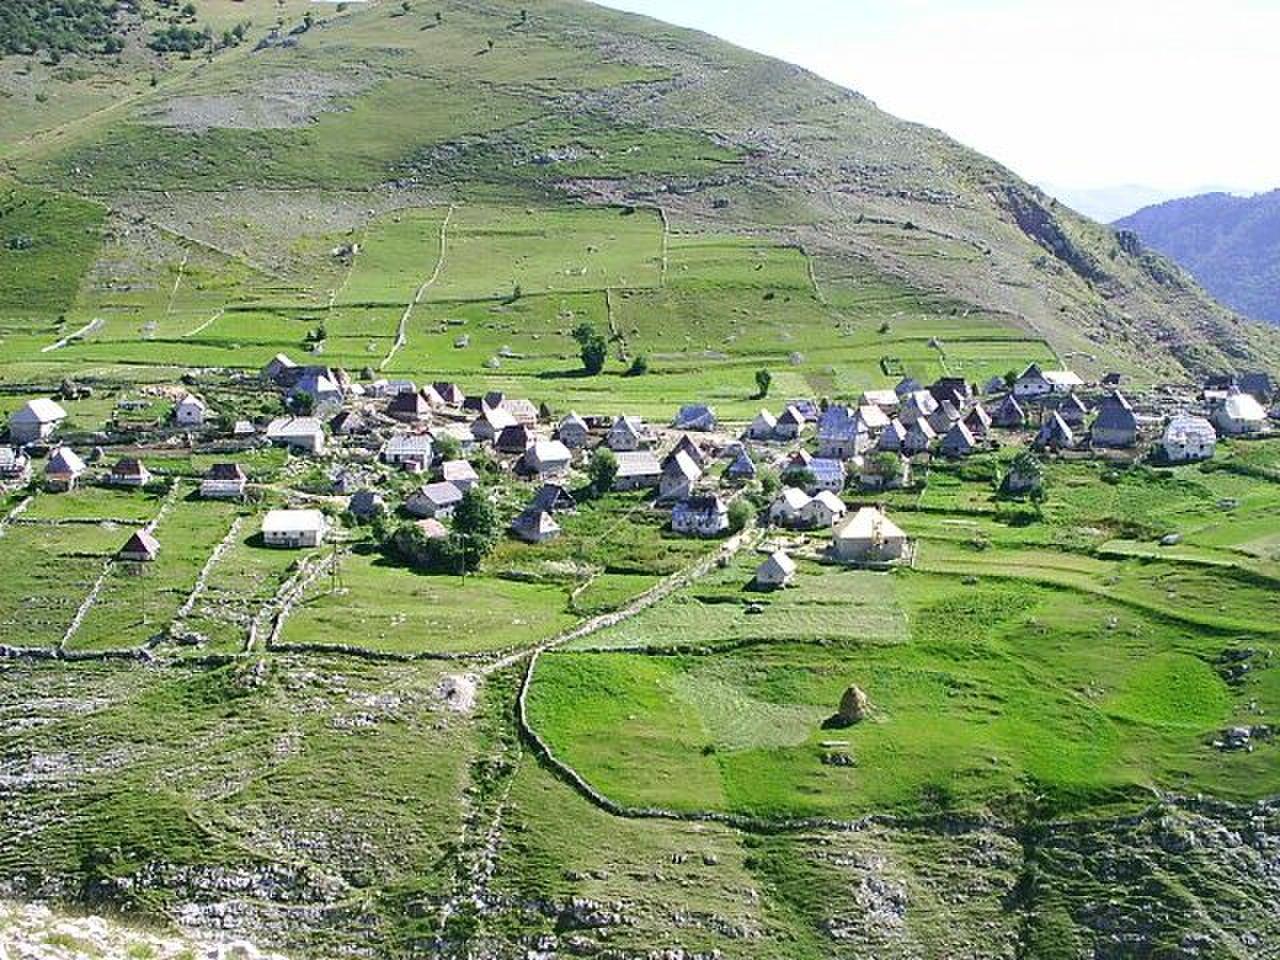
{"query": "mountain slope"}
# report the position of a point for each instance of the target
(1230, 244)
(482, 98)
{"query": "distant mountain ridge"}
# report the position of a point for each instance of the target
(1230, 244)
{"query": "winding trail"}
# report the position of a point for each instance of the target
(90, 327)
(207, 324)
(402, 332)
(177, 282)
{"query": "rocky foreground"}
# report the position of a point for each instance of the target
(35, 932)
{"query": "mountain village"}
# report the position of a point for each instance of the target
(813, 471)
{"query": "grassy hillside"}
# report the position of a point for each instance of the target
(377, 106)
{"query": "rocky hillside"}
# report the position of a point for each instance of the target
(1230, 244)
(485, 97)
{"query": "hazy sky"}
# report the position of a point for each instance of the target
(1172, 94)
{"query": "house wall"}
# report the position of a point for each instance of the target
(858, 551)
(292, 539)
(24, 431)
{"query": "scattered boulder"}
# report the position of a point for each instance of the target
(854, 707)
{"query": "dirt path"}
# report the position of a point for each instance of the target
(666, 243)
(402, 332)
(177, 282)
(15, 513)
(661, 591)
(90, 327)
(206, 325)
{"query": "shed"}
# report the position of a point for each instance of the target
(63, 470)
(678, 477)
(460, 473)
(1116, 426)
(141, 547)
(778, 570)
(573, 431)
(959, 441)
(535, 526)
(128, 472)
(366, 505)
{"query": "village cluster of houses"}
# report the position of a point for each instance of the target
(819, 450)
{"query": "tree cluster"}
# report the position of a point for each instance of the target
(58, 26)
(473, 536)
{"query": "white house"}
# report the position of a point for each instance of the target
(35, 420)
(778, 570)
(190, 411)
(700, 516)
(787, 508)
(869, 536)
(303, 434)
(15, 466)
(548, 458)
(1240, 414)
(823, 510)
(1035, 383)
(1188, 438)
(294, 529)
(224, 481)
(886, 400)
(409, 451)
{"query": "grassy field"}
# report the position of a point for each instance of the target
(383, 607)
(1022, 654)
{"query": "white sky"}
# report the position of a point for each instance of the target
(1171, 94)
